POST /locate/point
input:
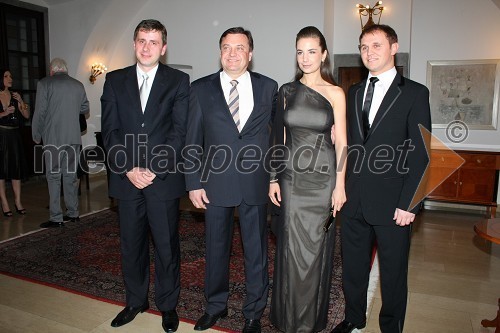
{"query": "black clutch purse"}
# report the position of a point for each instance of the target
(329, 221)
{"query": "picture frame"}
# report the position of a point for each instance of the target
(464, 90)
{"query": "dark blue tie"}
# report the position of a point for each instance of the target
(367, 104)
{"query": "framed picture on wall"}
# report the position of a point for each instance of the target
(464, 90)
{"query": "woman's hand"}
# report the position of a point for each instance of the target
(8, 110)
(332, 134)
(23, 107)
(17, 97)
(338, 199)
(19, 100)
(275, 193)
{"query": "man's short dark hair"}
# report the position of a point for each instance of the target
(152, 25)
(389, 32)
(237, 30)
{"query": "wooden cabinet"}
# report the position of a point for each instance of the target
(475, 182)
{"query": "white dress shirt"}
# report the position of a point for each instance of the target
(245, 93)
(381, 86)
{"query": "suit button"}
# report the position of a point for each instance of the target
(142, 125)
(240, 137)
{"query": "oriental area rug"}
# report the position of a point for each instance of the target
(84, 258)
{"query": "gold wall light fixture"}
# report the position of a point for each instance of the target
(366, 10)
(96, 70)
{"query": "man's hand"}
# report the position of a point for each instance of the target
(402, 217)
(199, 198)
(141, 177)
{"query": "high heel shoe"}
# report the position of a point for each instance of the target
(7, 214)
(20, 211)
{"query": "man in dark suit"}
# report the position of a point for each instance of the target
(144, 118)
(386, 164)
(230, 115)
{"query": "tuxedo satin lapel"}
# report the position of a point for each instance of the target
(132, 87)
(359, 107)
(257, 95)
(389, 99)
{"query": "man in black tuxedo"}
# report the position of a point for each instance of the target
(144, 118)
(230, 116)
(386, 164)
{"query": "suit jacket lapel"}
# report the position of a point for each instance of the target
(257, 93)
(217, 96)
(157, 88)
(359, 107)
(132, 87)
(218, 93)
(389, 99)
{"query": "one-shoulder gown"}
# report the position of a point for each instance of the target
(304, 251)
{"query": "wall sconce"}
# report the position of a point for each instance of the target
(97, 69)
(369, 11)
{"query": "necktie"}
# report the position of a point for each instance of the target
(367, 104)
(143, 91)
(234, 103)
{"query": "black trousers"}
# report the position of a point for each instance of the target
(219, 233)
(393, 244)
(137, 218)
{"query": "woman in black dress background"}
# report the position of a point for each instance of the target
(12, 162)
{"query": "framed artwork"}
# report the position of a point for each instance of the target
(464, 90)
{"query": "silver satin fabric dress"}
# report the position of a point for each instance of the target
(304, 252)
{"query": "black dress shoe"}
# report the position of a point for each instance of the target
(50, 224)
(347, 327)
(67, 218)
(127, 315)
(207, 320)
(252, 326)
(170, 321)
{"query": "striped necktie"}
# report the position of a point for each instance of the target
(234, 103)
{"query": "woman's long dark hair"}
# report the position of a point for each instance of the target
(2, 71)
(313, 32)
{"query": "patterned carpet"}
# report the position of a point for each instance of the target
(84, 258)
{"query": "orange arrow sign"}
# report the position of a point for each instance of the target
(443, 163)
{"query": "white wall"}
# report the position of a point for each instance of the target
(83, 32)
(433, 30)
(456, 30)
(347, 27)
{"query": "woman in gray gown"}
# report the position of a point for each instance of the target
(306, 187)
